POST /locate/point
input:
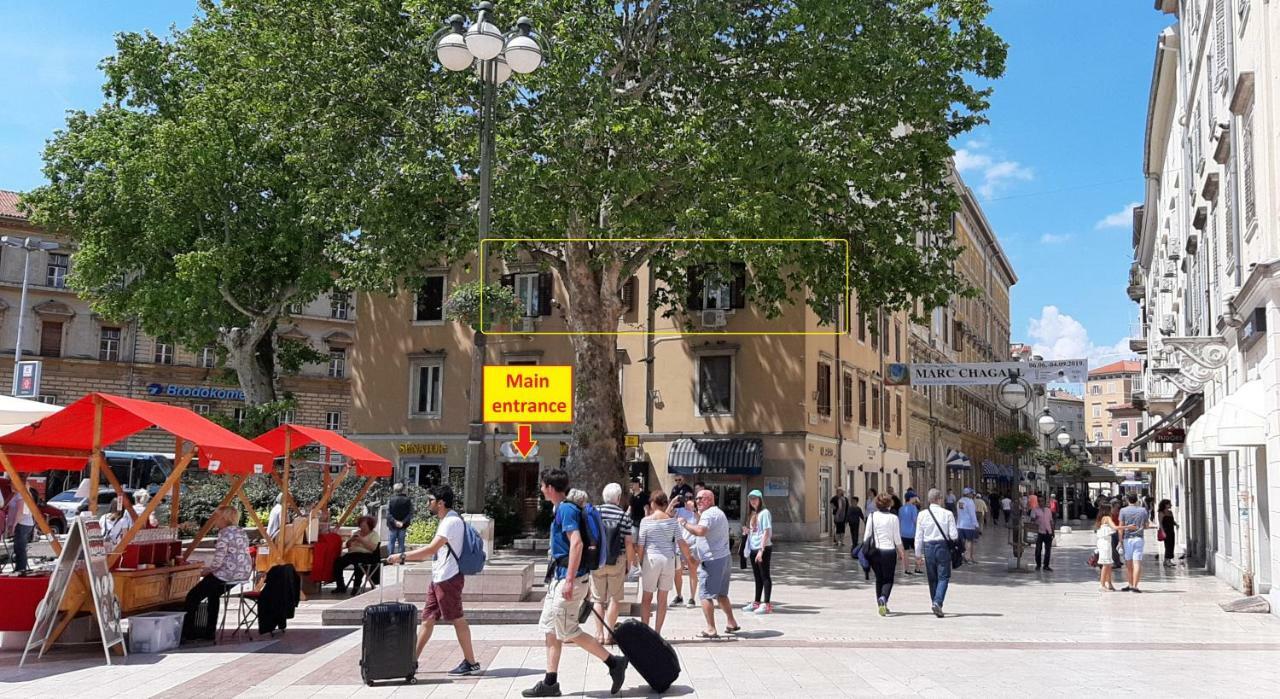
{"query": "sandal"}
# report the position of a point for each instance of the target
(732, 629)
(708, 636)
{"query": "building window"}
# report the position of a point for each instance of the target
(208, 357)
(715, 384)
(340, 305)
(846, 396)
(50, 338)
(1246, 170)
(333, 421)
(1095, 389)
(288, 417)
(862, 326)
(1097, 411)
(427, 376)
(200, 409)
(897, 341)
(884, 334)
(862, 402)
(239, 415)
(875, 407)
(824, 389)
(337, 363)
(428, 305)
(297, 309)
(708, 291)
(163, 353)
(56, 272)
(49, 398)
(1097, 436)
(1124, 428)
(109, 345)
(897, 415)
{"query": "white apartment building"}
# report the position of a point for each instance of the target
(1206, 275)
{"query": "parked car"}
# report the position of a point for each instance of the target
(71, 505)
(56, 516)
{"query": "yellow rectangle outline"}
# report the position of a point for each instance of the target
(824, 333)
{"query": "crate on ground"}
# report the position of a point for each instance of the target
(155, 632)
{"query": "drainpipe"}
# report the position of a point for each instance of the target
(648, 356)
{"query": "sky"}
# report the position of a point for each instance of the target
(1057, 170)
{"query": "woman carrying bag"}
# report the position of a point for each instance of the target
(883, 549)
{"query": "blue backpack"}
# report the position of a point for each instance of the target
(472, 558)
(595, 549)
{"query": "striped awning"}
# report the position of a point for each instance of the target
(734, 456)
(989, 469)
(958, 460)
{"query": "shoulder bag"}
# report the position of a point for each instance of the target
(957, 548)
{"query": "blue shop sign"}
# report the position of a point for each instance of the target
(176, 391)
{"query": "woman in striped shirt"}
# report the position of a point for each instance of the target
(660, 543)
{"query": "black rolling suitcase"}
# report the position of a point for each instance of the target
(389, 643)
(649, 653)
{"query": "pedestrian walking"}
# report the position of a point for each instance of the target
(967, 521)
(19, 524)
(884, 541)
(1042, 517)
(608, 580)
(399, 517)
(897, 501)
(1006, 506)
(1105, 528)
(951, 501)
(854, 518)
(1133, 523)
(935, 531)
(981, 502)
(1117, 555)
(759, 537)
(687, 566)
(566, 589)
(1168, 527)
(444, 594)
(713, 575)
(1053, 506)
(839, 516)
(907, 517)
(639, 504)
(660, 544)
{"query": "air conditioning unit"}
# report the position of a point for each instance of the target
(527, 325)
(713, 319)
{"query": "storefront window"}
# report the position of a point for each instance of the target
(728, 498)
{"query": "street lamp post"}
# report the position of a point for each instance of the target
(1014, 393)
(495, 56)
(28, 244)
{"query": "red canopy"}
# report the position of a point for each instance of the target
(367, 463)
(69, 432)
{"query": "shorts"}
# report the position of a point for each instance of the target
(1133, 546)
(607, 581)
(908, 543)
(444, 600)
(713, 579)
(657, 573)
(560, 616)
(968, 534)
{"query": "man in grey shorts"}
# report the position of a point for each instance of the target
(713, 575)
(1133, 521)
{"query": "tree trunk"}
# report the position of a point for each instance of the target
(251, 354)
(594, 304)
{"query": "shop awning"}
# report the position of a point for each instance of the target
(1210, 427)
(958, 460)
(1244, 421)
(367, 463)
(64, 440)
(16, 413)
(1187, 405)
(733, 457)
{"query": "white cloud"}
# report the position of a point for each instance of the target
(990, 173)
(1056, 335)
(1054, 239)
(1120, 219)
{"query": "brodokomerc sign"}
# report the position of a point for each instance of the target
(172, 391)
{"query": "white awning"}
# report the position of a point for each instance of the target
(16, 413)
(1212, 420)
(1195, 439)
(1243, 420)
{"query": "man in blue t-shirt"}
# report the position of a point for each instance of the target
(907, 515)
(565, 592)
(1133, 522)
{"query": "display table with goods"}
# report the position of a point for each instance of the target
(143, 571)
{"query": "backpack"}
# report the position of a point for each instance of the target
(595, 551)
(613, 534)
(472, 558)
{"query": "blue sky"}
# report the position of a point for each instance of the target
(1055, 171)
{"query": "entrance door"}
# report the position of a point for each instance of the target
(424, 474)
(1262, 501)
(520, 481)
(824, 500)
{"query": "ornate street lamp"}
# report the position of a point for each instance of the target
(495, 56)
(1063, 439)
(1046, 423)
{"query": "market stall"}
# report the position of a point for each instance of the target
(157, 575)
(284, 442)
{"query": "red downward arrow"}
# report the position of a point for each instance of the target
(524, 440)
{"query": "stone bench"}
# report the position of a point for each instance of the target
(531, 544)
(499, 582)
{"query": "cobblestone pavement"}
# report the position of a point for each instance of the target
(1006, 634)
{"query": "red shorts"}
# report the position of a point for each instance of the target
(444, 600)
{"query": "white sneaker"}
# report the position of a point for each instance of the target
(749, 607)
(690, 603)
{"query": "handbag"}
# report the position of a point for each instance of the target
(1093, 560)
(957, 552)
(1160, 534)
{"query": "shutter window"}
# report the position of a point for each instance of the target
(738, 287)
(629, 295)
(694, 279)
(430, 300)
(50, 339)
(1246, 168)
(544, 293)
(1219, 77)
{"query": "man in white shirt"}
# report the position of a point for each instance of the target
(935, 532)
(1006, 506)
(21, 525)
(713, 574)
(444, 595)
(967, 522)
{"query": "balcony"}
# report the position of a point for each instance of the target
(1137, 288)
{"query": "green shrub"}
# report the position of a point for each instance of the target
(422, 530)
